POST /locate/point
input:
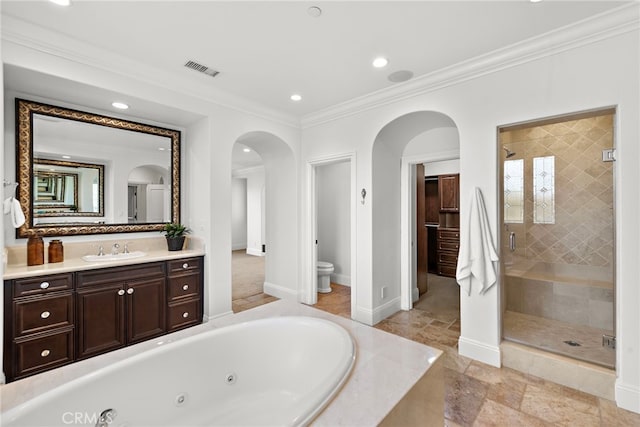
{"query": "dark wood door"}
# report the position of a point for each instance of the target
(421, 227)
(145, 309)
(449, 194)
(101, 321)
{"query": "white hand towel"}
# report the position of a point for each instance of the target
(477, 252)
(12, 207)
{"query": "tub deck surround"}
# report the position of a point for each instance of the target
(154, 247)
(393, 380)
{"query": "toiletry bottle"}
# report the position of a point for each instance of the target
(35, 250)
(56, 251)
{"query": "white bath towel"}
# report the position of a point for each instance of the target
(13, 208)
(477, 252)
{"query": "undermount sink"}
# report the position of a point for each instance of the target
(111, 257)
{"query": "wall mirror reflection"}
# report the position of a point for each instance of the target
(65, 188)
(83, 173)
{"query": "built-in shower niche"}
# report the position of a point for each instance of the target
(557, 239)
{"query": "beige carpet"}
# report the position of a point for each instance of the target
(248, 274)
(442, 300)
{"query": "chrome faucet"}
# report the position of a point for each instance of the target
(114, 249)
(126, 248)
(100, 251)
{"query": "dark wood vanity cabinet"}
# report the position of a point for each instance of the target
(184, 299)
(54, 320)
(39, 324)
(120, 306)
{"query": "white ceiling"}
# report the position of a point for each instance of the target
(267, 50)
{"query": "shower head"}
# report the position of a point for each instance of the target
(509, 152)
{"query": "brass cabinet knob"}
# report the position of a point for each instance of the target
(45, 314)
(185, 314)
(121, 292)
(130, 291)
(44, 285)
(185, 265)
(45, 353)
(185, 287)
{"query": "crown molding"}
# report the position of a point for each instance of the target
(599, 27)
(36, 38)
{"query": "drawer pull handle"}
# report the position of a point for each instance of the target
(185, 314)
(45, 353)
(185, 287)
(130, 291)
(44, 285)
(185, 265)
(121, 292)
(45, 314)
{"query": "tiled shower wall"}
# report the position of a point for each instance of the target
(583, 230)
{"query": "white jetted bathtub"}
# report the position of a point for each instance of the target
(275, 371)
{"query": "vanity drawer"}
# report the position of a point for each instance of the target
(39, 314)
(124, 274)
(184, 314)
(184, 286)
(447, 270)
(184, 265)
(42, 284)
(43, 352)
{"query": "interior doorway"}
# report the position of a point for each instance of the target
(332, 223)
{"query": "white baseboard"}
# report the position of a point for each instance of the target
(386, 310)
(628, 397)
(238, 246)
(254, 252)
(280, 291)
(206, 318)
(371, 317)
(341, 279)
(479, 351)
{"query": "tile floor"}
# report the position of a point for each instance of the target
(477, 394)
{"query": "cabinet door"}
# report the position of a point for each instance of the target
(101, 321)
(146, 303)
(449, 193)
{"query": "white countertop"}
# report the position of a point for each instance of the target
(387, 366)
(77, 264)
(154, 247)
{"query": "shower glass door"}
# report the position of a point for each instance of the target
(557, 244)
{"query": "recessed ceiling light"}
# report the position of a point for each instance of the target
(66, 157)
(61, 2)
(161, 148)
(246, 150)
(380, 62)
(296, 97)
(120, 105)
(535, 1)
(314, 11)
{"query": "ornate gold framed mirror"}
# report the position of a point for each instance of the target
(85, 173)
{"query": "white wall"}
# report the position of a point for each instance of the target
(334, 216)
(238, 213)
(600, 73)
(445, 167)
(254, 208)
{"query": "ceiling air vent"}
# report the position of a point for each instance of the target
(201, 68)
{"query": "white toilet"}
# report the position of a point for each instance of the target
(324, 274)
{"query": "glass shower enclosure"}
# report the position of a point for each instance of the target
(557, 239)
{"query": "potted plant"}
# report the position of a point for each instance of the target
(175, 234)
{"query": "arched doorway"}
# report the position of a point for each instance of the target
(413, 138)
(273, 231)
